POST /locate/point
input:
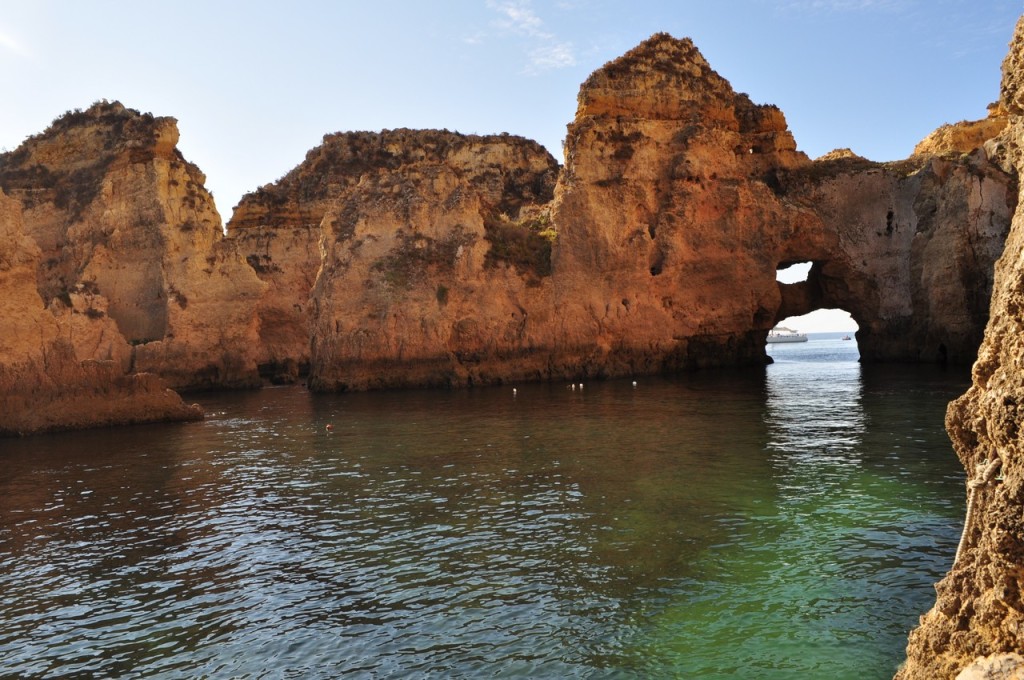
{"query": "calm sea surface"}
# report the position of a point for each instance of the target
(778, 523)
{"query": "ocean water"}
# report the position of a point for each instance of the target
(777, 523)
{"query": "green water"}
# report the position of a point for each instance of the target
(776, 523)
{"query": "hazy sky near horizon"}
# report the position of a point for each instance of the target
(255, 84)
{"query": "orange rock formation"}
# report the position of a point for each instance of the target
(416, 258)
(65, 366)
(118, 212)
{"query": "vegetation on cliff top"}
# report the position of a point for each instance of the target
(525, 243)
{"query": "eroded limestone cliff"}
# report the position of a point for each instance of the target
(979, 610)
(911, 249)
(119, 214)
(436, 266)
(668, 234)
(65, 366)
(418, 258)
(679, 201)
(424, 193)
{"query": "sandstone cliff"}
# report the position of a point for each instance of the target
(679, 202)
(435, 265)
(65, 366)
(415, 258)
(685, 198)
(979, 610)
(965, 136)
(118, 212)
(911, 250)
(668, 236)
(278, 227)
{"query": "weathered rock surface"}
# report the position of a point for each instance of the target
(417, 258)
(435, 265)
(965, 136)
(679, 201)
(117, 212)
(911, 249)
(66, 366)
(979, 609)
(668, 235)
(278, 227)
(995, 667)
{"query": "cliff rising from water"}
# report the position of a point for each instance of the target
(425, 245)
(425, 258)
(116, 210)
(656, 250)
(65, 365)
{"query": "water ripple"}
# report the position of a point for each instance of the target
(771, 525)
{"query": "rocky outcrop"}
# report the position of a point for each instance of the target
(679, 201)
(436, 265)
(668, 234)
(278, 227)
(417, 258)
(965, 136)
(65, 366)
(911, 250)
(118, 213)
(979, 610)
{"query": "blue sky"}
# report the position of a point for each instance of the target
(255, 84)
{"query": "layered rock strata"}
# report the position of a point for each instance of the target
(117, 211)
(979, 610)
(65, 366)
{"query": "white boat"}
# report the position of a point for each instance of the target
(783, 334)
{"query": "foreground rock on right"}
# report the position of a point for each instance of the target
(979, 609)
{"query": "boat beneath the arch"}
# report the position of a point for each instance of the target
(783, 334)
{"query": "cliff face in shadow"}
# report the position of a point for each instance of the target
(912, 249)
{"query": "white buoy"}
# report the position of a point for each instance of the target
(634, 383)
(514, 392)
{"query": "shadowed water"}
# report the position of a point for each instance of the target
(773, 524)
